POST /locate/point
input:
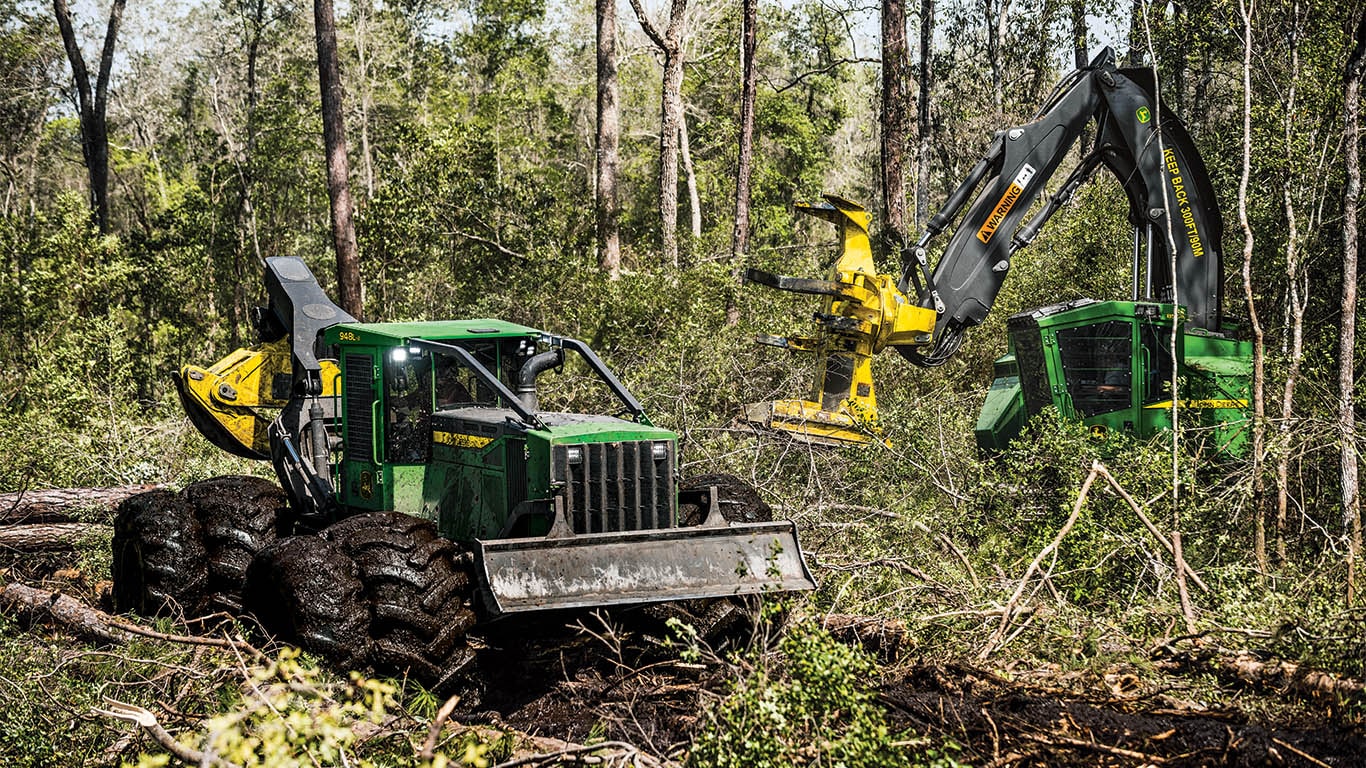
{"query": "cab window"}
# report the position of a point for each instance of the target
(408, 406)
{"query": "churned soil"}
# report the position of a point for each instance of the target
(595, 682)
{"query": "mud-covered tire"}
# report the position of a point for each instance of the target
(239, 516)
(740, 503)
(418, 587)
(306, 590)
(159, 563)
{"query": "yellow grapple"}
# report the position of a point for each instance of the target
(233, 401)
(863, 313)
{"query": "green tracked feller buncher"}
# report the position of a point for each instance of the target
(425, 490)
(1109, 364)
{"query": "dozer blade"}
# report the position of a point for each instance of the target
(591, 570)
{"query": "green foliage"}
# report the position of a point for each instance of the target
(290, 717)
(812, 704)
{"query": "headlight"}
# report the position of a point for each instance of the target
(574, 454)
(660, 451)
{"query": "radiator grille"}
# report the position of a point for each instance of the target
(359, 386)
(616, 486)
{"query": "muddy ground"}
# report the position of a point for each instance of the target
(581, 678)
(575, 686)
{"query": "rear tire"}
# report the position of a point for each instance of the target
(304, 589)
(159, 564)
(240, 516)
(418, 587)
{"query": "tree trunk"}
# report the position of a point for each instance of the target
(994, 18)
(1351, 502)
(608, 209)
(1258, 335)
(1137, 50)
(670, 121)
(1296, 302)
(670, 45)
(1081, 56)
(694, 199)
(739, 239)
(923, 123)
(43, 537)
(338, 167)
(59, 504)
(367, 96)
(37, 605)
(1080, 35)
(744, 167)
(895, 103)
(92, 104)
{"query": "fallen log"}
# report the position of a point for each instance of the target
(1292, 677)
(40, 606)
(60, 504)
(35, 605)
(878, 636)
(46, 537)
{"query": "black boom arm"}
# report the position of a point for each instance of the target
(1171, 204)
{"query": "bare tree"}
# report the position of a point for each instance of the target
(1297, 278)
(608, 208)
(744, 167)
(689, 176)
(1136, 47)
(1080, 43)
(896, 67)
(670, 45)
(994, 16)
(338, 167)
(1351, 501)
(923, 123)
(93, 104)
(1258, 335)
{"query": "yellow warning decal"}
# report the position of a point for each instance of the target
(1183, 203)
(460, 440)
(1199, 404)
(1006, 203)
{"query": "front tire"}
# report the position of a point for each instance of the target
(239, 516)
(304, 589)
(418, 587)
(740, 502)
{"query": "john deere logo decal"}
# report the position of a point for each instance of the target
(1008, 200)
(1144, 115)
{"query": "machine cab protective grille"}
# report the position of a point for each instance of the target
(1097, 363)
(616, 486)
(1029, 357)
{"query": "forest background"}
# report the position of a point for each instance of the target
(474, 166)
